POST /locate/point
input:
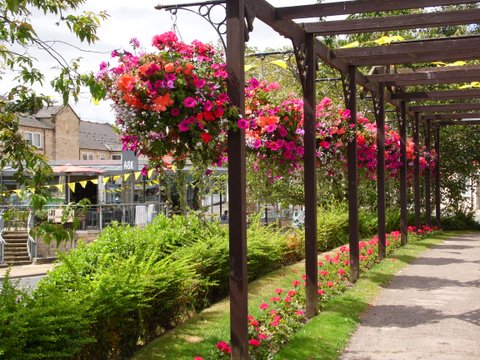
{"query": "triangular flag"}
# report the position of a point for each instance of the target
(150, 173)
(71, 186)
(94, 181)
(32, 190)
(116, 177)
(137, 174)
(17, 191)
(83, 183)
(126, 176)
(59, 187)
(280, 63)
(105, 179)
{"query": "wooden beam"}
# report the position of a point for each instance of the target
(445, 108)
(438, 75)
(456, 116)
(411, 52)
(438, 95)
(265, 12)
(358, 7)
(390, 23)
(464, 123)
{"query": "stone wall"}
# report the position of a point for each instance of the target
(49, 251)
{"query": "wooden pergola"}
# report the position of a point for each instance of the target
(390, 81)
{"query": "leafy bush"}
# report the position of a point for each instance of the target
(460, 221)
(108, 297)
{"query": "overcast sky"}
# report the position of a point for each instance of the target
(138, 19)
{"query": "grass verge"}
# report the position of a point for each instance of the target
(326, 334)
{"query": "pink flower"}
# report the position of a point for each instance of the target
(262, 336)
(278, 291)
(197, 358)
(223, 346)
(189, 102)
(243, 124)
(183, 126)
(254, 342)
(295, 283)
(264, 306)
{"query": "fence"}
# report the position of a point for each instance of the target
(2, 241)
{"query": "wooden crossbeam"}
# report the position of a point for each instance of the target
(464, 123)
(358, 7)
(445, 108)
(437, 75)
(411, 52)
(452, 116)
(437, 95)
(389, 23)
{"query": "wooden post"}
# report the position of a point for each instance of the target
(237, 183)
(416, 173)
(428, 208)
(380, 119)
(310, 160)
(403, 173)
(353, 232)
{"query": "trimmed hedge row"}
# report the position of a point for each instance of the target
(129, 286)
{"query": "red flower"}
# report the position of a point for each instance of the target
(206, 137)
(224, 347)
(264, 306)
(254, 342)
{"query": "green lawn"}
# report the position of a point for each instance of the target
(323, 337)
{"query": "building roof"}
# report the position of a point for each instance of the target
(48, 112)
(31, 121)
(98, 136)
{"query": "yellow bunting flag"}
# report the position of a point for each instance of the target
(71, 186)
(126, 176)
(17, 191)
(280, 63)
(116, 177)
(59, 187)
(105, 179)
(137, 174)
(150, 173)
(94, 181)
(350, 45)
(83, 183)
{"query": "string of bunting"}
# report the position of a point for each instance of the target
(83, 183)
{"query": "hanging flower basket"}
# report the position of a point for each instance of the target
(171, 105)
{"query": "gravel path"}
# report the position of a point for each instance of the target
(430, 310)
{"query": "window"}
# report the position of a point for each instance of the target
(87, 156)
(33, 138)
(116, 157)
(102, 157)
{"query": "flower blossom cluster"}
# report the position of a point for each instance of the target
(171, 102)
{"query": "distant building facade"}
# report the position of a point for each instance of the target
(58, 133)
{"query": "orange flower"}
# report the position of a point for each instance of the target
(267, 120)
(126, 82)
(188, 68)
(169, 67)
(161, 102)
(133, 101)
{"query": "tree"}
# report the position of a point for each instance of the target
(17, 37)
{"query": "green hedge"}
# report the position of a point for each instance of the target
(106, 299)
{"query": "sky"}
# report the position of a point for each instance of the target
(132, 19)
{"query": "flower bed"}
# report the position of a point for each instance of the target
(284, 313)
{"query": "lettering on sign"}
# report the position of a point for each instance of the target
(129, 165)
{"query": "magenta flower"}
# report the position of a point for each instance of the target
(243, 124)
(189, 102)
(183, 126)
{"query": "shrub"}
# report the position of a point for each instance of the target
(460, 221)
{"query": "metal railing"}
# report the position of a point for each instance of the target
(31, 243)
(2, 240)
